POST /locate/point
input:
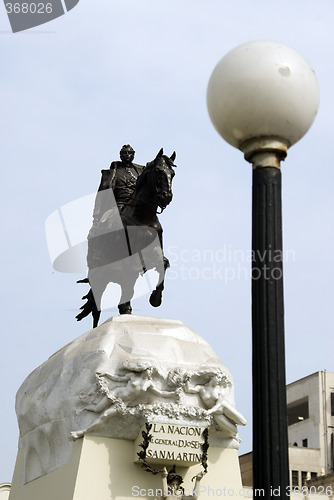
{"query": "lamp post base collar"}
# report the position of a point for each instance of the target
(265, 151)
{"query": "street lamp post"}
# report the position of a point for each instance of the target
(262, 98)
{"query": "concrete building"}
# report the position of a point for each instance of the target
(311, 426)
(310, 410)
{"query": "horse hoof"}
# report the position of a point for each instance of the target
(125, 309)
(156, 298)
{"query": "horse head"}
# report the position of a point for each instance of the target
(162, 173)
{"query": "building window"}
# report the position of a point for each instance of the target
(298, 411)
(304, 478)
(332, 404)
(294, 478)
(314, 475)
(304, 443)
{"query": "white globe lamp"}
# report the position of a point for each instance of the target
(262, 96)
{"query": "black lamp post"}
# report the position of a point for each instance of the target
(262, 98)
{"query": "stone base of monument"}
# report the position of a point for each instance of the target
(102, 469)
(109, 414)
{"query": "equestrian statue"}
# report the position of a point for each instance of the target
(125, 239)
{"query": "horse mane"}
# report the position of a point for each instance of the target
(149, 166)
(142, 176)
(152, 163)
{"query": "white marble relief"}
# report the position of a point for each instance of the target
(113, 379)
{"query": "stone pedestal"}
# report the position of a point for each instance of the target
(101, 468)
(82, 413)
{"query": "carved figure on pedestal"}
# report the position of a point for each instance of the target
(135, 391)
(214, 396)
(172, 489)
(126, 237)
(137, 382)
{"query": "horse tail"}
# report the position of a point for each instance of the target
(89, 307)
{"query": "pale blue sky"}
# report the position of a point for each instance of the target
(112, 72)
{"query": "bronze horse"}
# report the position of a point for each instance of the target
(127, 244)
